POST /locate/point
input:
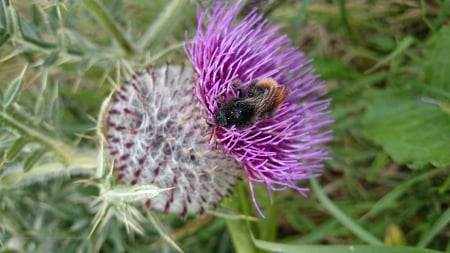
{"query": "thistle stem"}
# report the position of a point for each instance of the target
(160, 22)
(103, 16)
(61, 149)
(347, 221)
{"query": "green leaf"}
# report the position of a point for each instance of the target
(409, 130)
(84, 65)
(15, 148)
(53, 20)
(82, 163)
(8, 251)
(11, 20)
(28, 31)
(343, 218)
(390, 199)
(13, 89)
(51, 59)
(436, 64)
(33, 158)
(335, 68)
(40, 104)
(4, 36)
(401, 48)
(36, 15)
(289, 248)
(441, 224)
(3, 14)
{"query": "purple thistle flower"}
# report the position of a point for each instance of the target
(157, 135)
(277, 151)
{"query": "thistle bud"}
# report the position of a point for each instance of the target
(157, 135)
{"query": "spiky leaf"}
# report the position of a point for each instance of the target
(12, 91)
(33, 158)
(15, 148)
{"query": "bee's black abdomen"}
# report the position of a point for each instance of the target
(220, 118)
(235, 113)
(241, 114)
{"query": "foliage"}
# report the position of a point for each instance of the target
(386, 67)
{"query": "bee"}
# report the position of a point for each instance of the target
(261, 100)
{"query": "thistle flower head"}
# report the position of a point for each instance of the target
(280, 150)
(157, 135)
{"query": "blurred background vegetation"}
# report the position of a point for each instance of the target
(387, 68)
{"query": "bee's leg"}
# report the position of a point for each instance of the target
(237, 85)
(220, 100)
(267, 115)
(208, 121)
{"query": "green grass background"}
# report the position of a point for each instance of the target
(387, 69)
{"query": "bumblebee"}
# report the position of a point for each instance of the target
(261, 100)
